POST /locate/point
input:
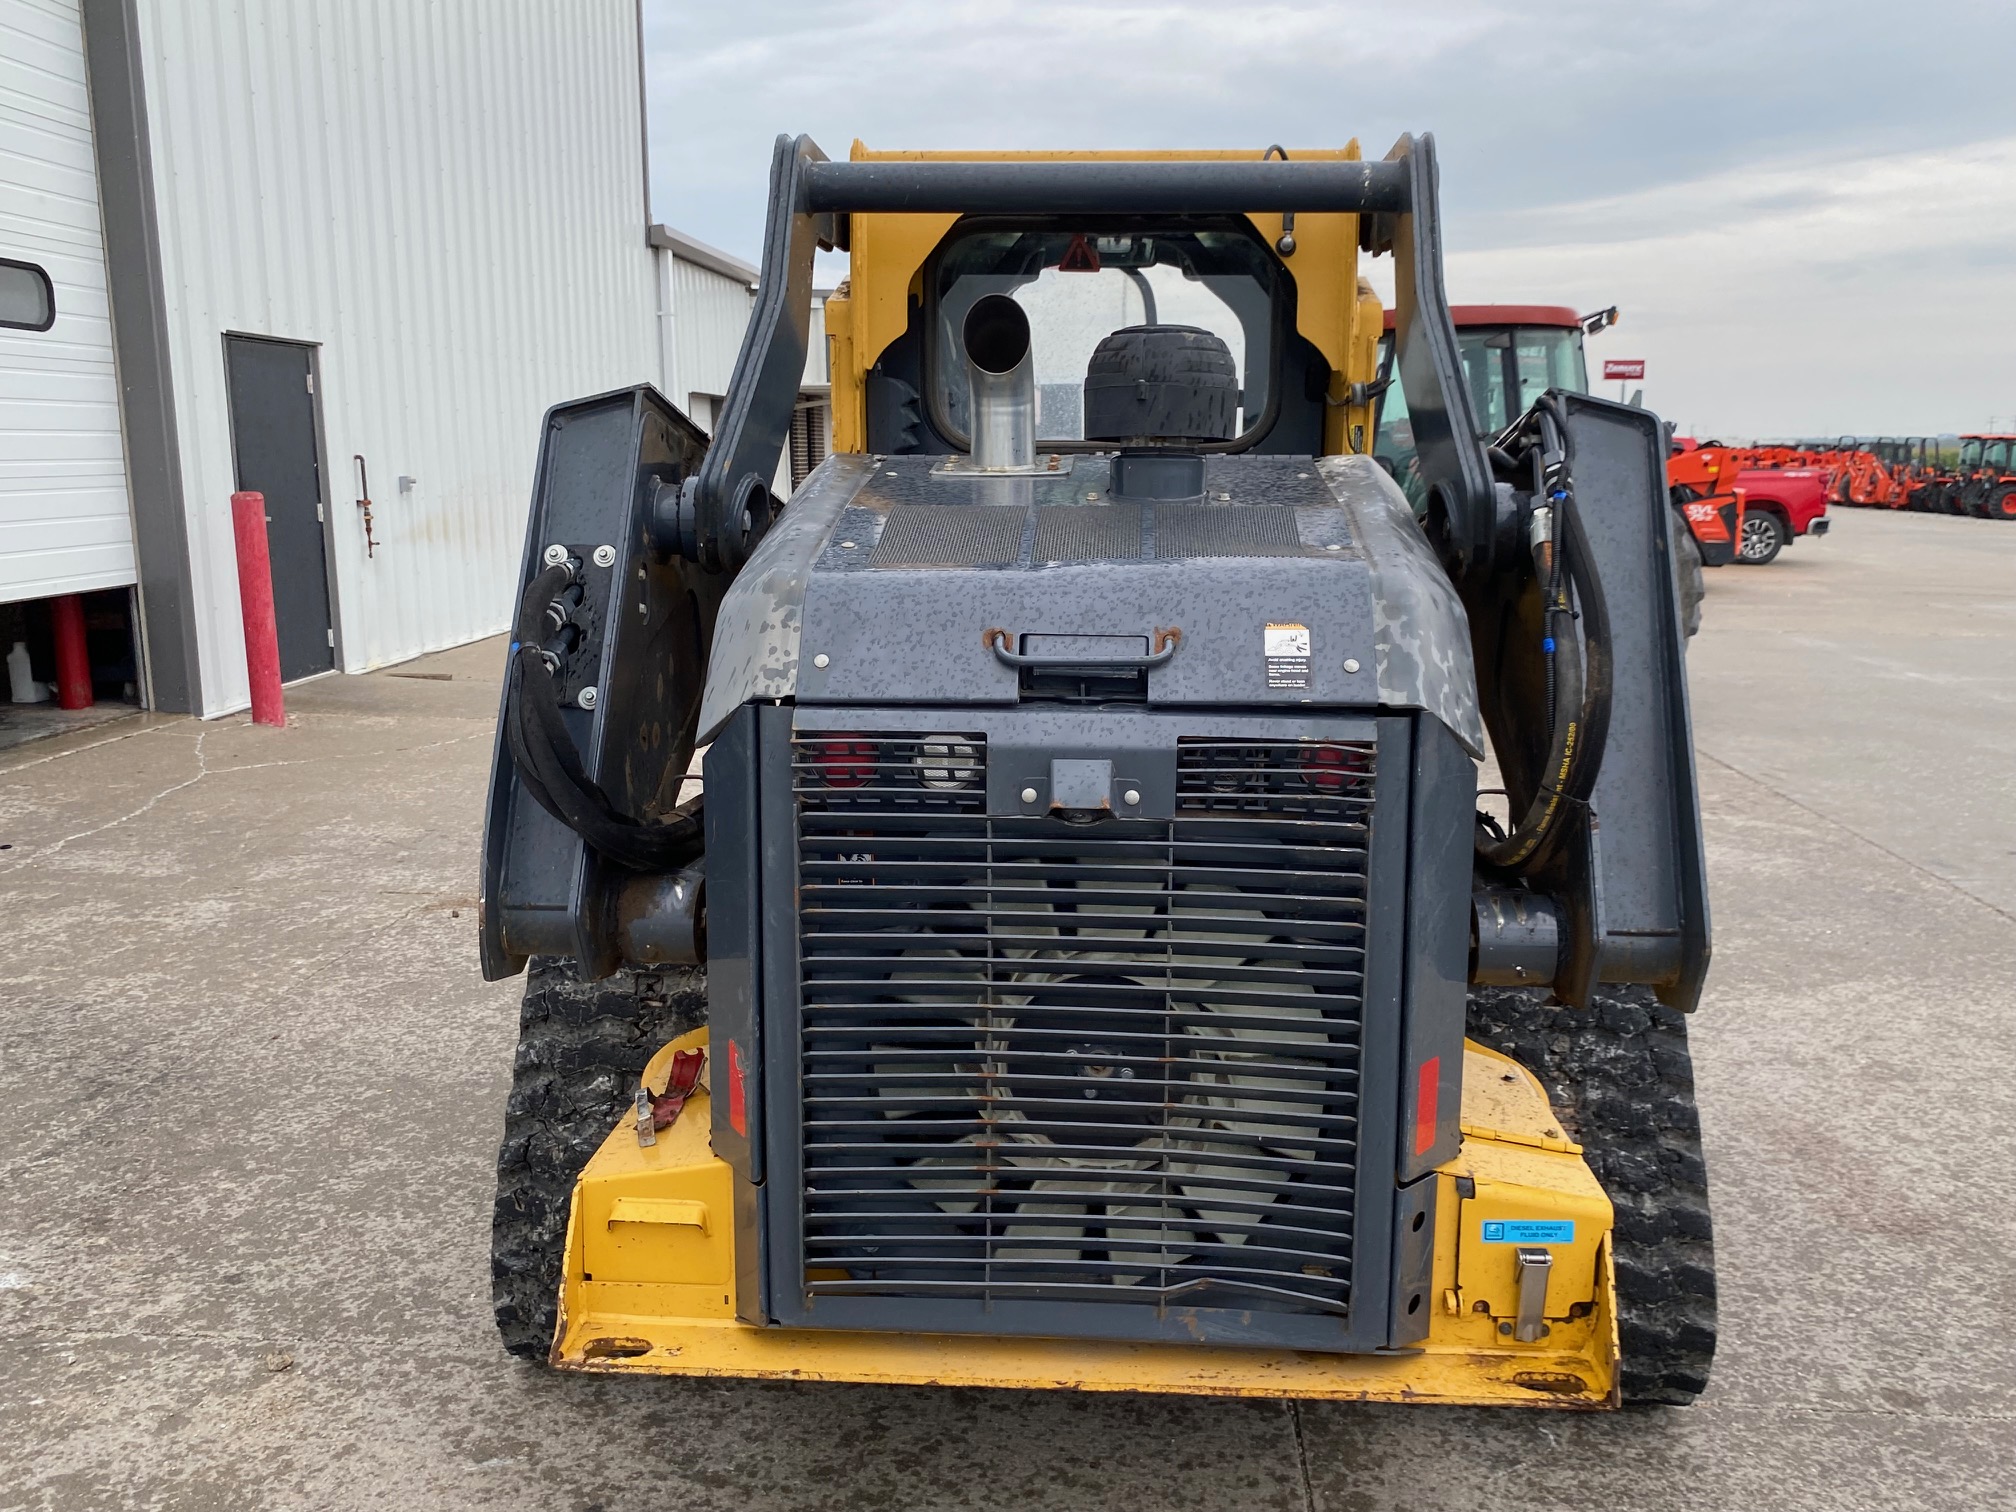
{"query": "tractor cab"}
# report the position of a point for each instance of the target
(1511, 354)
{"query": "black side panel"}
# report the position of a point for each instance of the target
(1461, 511)
(274, 453)
(1639, 908)
(1438, 949)
(763, 392)
(644, 628)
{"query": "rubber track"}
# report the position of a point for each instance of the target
(1622, 1081)
(581, 1048)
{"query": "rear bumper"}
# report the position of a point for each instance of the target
(650, 1280)
(1816, 527)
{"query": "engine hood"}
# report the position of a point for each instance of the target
(1293, 582)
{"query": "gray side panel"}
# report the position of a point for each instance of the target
(755, 654)
(1423, 651)
(1413, 1262)
(140, 337)
(1643, 852)
(734, 988)
(734, 974)
(1438, 948)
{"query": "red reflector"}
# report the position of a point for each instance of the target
(1327, 767)
(1427, 1101)
(846, 763)
(738, 1094)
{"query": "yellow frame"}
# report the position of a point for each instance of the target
(650, 1266)
(1334, 308)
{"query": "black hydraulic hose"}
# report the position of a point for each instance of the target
(549, 765)
(1580, 680)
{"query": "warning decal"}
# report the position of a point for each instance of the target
(1287, 648)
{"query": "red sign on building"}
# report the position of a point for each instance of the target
(1624, 367)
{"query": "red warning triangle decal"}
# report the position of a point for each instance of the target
(1080, 257)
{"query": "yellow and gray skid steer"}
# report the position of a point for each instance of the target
(1086, 965)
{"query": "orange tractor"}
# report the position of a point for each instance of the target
(1984, 484)
(1702, 481)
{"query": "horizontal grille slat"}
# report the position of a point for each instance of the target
(1016, 1072)
(1078, 1182)
(1115, 1062)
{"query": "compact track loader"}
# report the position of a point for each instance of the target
(1087, 965)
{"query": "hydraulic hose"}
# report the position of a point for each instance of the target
(1578, 662)
(548, 763)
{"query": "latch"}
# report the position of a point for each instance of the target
(1532, 1267)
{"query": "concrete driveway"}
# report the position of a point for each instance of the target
(251, 1084)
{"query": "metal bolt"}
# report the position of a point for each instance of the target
(1223, 497)
(846, 545)
(1333, 546)
(555, 555)
(643, 610)
(1028, 795)
(1350, 664)
(605, 556)
(1131, 796)
(586, 698)
(822, 660)
(1093, 494)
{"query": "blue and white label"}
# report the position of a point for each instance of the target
(1529, 1231)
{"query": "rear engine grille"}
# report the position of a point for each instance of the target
(1114, 1062)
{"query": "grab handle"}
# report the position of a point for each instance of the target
(1165, 642)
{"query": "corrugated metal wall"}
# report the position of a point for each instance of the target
(710, 311)
(64, 520)
(448, 198)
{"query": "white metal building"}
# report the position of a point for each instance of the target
(335, 252)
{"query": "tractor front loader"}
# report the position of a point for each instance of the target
(1086, 965)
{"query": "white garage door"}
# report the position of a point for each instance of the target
(64, 520)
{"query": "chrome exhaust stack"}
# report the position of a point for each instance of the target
(1001, 374)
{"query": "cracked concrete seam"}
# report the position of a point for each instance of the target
(204, 769)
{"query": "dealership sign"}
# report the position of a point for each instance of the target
(1624, 367)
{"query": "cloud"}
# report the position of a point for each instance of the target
(1803, 205)
(1876, 295)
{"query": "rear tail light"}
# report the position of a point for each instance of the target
(1329, 768)
(846, 763)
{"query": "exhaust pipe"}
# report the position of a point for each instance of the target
(1002, 379)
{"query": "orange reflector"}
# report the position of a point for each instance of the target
(1427, 1099)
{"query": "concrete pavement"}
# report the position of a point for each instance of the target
(251, 1084)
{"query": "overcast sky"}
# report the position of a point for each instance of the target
(1807, 211)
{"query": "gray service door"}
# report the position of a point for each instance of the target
(274, 453)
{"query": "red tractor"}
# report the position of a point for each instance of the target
(1781, 501)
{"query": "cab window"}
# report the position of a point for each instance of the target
(1079, 285)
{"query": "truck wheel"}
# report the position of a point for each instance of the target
(1688, 577)
(1763, 537)
(581, 1048)
(1622, 1082)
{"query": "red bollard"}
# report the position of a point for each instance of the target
(255, 599)
(73, 657)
